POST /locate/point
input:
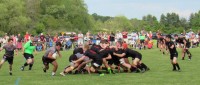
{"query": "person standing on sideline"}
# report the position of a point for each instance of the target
(28, 50)
(42, 39)
(80, 39)
(125, 36)
(112, 39)
(9, 54)
(26, 37)
(19, 42)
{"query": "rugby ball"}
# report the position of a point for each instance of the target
(55, 55)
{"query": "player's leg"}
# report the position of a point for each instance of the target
(176, 63)
(183, 53)
(69, 68)
(55, 67)
(2, 62)
(95, 66)
(31, 64)
(135, 63)
(46, 64)
(10, 61)
(189, 54)
(28, 58)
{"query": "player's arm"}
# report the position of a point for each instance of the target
(179, 44)
(80, 59)
(35, 51)
(101, 50)
(119, 55)
(184, 41)
(1, 48)
(83, 63)
(25, 46)
(16, 51)
(59, 54)
(88, 61)
(108, 57)
(172, 46)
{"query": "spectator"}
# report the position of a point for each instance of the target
(48, 41)
(150, 35)
(19, 42)
(118, 35)
(80, 38)
(42, 39)
(26, 37)
(98, 38)
(112, 39)
(72, 39)
(125, 36)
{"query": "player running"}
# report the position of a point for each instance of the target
(48, 58)
(185, 47)
(28, 50)
(9, 54)
(173, 53)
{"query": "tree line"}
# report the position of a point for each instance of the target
(53, 16)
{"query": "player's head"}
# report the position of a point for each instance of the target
(176, 36)
(168, 38)
(32, 37)
(10, 41)
(86, 47)
(58, 45)
(104, 43)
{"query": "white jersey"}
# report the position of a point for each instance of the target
(80, 36)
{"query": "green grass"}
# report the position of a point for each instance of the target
(160, 74)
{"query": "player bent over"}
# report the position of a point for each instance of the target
(48, 58)
(75, 63)
(136, 59)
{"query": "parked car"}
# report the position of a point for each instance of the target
(154, 36)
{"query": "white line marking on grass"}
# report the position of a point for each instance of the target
(17, 81)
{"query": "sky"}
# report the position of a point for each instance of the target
(139, 8)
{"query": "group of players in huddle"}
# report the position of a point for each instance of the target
(96, 55)
(95, 58)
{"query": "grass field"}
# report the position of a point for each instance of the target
(160, 74)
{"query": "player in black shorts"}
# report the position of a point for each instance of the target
(96, 59)
(28, 49)
(47, 58)
(185, 47)
(114, 60)
(121, 60)
(75, 61)
(9, 54)
(103, 50)
(161, 43)
(136, 59)
(173, 53)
